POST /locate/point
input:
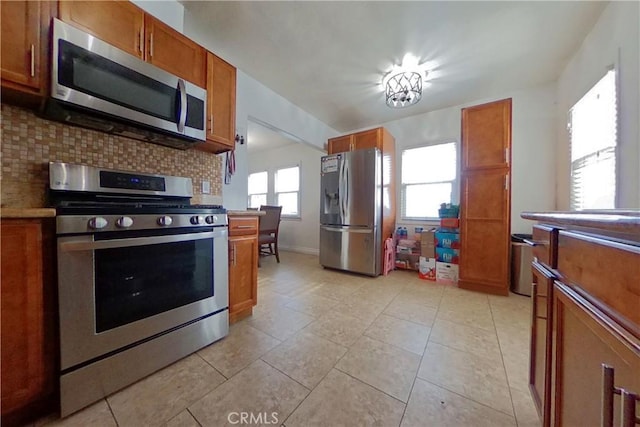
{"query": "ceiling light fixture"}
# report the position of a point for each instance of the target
(403, 84)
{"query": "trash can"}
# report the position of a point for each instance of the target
(521, 257)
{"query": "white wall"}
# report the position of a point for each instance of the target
(614, 39)
(300, 235)
(533, 146)
(168, 11)
(255, 100)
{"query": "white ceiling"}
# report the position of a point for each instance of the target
(328, 58)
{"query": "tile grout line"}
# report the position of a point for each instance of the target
(194, 417)
(420, 364)
(504, 367)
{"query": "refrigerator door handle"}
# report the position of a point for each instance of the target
(348, 230)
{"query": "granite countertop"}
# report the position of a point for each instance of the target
(27, 213)
(625, 220)
(246, 213)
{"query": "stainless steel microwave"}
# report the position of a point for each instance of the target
(99, 86)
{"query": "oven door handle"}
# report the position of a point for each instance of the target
(138, 241)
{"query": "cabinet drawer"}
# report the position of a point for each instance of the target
(544, 245)
(606, 270)
(242, 226)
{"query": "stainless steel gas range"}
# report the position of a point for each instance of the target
(142, 277)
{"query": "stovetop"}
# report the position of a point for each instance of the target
(135, 208)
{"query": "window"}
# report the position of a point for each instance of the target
(593, 139)
(287, 188)
(428, 179)
(258, 184)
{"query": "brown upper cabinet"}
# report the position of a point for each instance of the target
(173, 52)
(372, 138)
(221, 105)
(24, 31)
(487, 135)
(125, 26)
(119, 23)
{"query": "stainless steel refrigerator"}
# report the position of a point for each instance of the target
(350, 211)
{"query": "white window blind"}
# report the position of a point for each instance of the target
(258, 185)
(593, 139)
(428, 179)
(287, 190)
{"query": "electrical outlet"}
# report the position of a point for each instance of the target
(206, 187)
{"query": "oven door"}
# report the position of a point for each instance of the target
(116, 292)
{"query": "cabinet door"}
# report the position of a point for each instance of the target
(367, 139)
(540, 356)
(27, 336)
(119, 23)
(21, 42)
(221, 105)
(486, 135)
(484, 231)
(173, 52)
(585, 339)
(340, 144)
(243, 273)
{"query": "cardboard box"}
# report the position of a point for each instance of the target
(427, 268)
(446, 272)
(447, 255)
(449, 222)
(427, 244)
(447, 239)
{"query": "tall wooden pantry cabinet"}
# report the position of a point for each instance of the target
(485, 199)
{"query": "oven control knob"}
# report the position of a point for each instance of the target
(165, 220)
(124, 222)
(195, 220)
(211, 219)
(97, 223)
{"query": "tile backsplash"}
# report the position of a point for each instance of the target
(29, 143)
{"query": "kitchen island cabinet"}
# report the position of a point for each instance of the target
(25, 34)
(586, 268)
(243, 263)
(28, 300)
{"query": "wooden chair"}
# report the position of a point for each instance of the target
(268, 231)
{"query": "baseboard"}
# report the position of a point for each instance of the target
(299, 249)
(484, 288)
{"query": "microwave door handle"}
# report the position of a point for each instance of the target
(182, 119)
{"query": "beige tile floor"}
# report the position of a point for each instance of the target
(326, 348)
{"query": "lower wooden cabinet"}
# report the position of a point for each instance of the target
(28, 332)
(243, 266)
(585, 331)
(541, 331)
(587, 339)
